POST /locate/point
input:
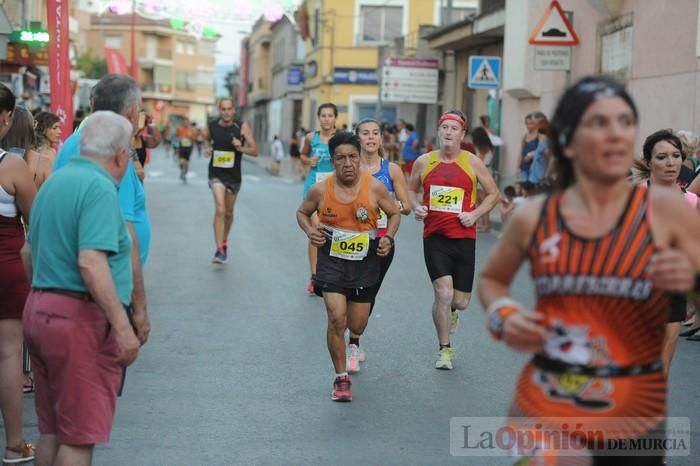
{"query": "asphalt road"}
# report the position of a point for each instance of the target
(237, 371)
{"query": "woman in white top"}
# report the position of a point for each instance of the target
(17, 192)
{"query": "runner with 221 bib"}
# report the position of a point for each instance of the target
(449, 178)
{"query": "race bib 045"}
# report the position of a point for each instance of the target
(349, 245)
(224, 159)
(446, 199)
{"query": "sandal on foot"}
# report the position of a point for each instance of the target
(689, 332)
(29, 385)
(26, 452)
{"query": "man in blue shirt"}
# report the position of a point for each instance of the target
(410, 149)
(119, 93)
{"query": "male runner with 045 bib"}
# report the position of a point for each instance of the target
(348, 275)
(227, 141)
(449, 212)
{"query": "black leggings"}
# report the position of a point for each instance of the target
(385, 263)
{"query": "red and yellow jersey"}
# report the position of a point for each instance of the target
(449, 188)
(601, 309)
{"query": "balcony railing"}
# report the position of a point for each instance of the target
(157, 88)
(161, 54)
(164, 54)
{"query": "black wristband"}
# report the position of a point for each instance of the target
(390, 238)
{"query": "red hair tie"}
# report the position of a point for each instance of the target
(452, 117)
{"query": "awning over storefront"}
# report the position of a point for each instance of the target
(473, 32)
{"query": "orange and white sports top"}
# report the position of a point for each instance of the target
(601, 309)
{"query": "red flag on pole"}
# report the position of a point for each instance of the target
(116, 64)
(59, 63)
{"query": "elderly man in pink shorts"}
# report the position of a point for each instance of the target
(75, 321)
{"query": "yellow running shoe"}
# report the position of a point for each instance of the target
(455, 321)
(447, 354)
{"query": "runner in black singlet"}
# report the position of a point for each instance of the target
(227, 140)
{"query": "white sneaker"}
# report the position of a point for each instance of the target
(445, 360)
(353, 359)
(362, 354)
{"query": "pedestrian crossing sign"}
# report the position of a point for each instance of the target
(484, 72)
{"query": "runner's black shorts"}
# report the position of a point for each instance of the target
(454, 257)
(185, 152)
(356, 295)
(231, 186)
(678, 305)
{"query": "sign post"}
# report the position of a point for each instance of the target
(553, 37)
(409, 80)
(554, 28)
(552, 58)
(484, 72)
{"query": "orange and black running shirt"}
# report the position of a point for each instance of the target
(449, 188)
(601, 309)
(349, 259)
(186, 136)
(357, 215)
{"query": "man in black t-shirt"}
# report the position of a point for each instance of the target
(226, 141)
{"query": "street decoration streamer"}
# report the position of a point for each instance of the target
(203, 11)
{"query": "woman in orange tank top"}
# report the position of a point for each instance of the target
(596, 257)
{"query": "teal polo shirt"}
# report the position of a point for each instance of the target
(132, 196)
(77, 209)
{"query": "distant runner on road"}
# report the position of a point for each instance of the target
(226, 140)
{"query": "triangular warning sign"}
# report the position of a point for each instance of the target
(484, 74)
(554, 28)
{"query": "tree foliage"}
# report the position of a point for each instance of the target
(231, 83)
(92, 67)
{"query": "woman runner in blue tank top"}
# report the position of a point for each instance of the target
(316, 157)
(392, 177)
(323, 167)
